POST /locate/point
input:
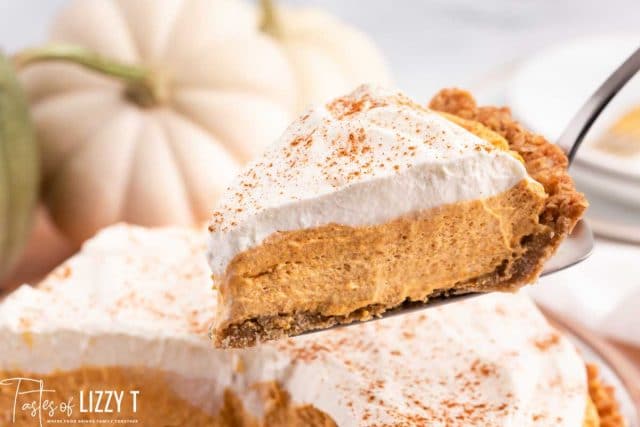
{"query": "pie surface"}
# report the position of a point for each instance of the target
(131, 311)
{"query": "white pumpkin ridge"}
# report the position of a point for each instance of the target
(205, 90)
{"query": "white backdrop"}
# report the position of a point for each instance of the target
(429, 43)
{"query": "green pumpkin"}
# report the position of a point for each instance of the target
(18, 168)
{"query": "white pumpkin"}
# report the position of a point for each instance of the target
(328, 57)
(203, 91)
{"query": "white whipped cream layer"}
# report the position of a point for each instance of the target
(364, 159)
(137, 297)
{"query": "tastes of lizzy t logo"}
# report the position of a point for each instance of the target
(29, 399)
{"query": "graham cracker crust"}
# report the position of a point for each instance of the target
(529, 247)
(545, 162)
(604, 401)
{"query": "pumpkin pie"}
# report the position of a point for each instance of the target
(131, 311)
(371, 201)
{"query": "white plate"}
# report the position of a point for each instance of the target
(615, 220)
(548, 88)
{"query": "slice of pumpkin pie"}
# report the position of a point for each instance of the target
(371, 201)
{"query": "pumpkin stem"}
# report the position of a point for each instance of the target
(270, 23)
(19, 168)
(143, 86)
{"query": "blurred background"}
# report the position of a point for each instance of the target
(428, 43)
(543, 58)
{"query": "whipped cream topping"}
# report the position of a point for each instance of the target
(364, 159)
(140, 297)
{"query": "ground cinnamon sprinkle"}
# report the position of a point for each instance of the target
(408, 335)
(543, 344)
(482, 368)
(304, 140)
(63, 272)
(307, 353)
(346, 106)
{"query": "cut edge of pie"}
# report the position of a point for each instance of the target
(547, 217)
